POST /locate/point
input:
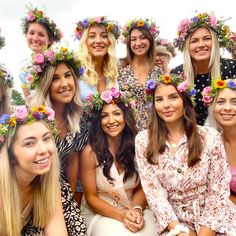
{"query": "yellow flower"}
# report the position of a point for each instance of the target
(166, 79)
(109, 28)
(12, 121)
(226, 30)
(200, 16)
(40, 109)
(140, 23)
(64, 50)
(220, 84)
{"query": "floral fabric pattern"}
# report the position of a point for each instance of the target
(128, 82)
(196, 196)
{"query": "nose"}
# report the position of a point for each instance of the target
(111, 119)
(166, 103)
(227, 106)
(201, 43)
(41, 148)
(98, 39)
(64, 82)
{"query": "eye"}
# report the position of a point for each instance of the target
(117, 113)
(68, 74)
(103, 115)
(158, 99)
(174, 96)
(55, 78)
(104, 35)
(28, 144)
(234, 102)
(47, 138)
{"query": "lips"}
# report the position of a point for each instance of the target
(42, 161)
(168, 113)
(65, 93)
(227, 116)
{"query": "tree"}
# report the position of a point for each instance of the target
(17, 98)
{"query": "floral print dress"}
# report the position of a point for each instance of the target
(128, 82)
(196, 196)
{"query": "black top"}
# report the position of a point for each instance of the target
(228, 71)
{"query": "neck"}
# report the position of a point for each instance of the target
(202, 67)
(175, 130)
(113, 144)
(140, 60)
(229, 134)
(99, 62)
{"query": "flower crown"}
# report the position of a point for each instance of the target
(2, 40)
(35, 15)
(6, 78)
(181, 84)
(147, 24)
(209, 92)
(113, 95)
(164, 43)
(111, 26)
(52, 57)
(25, 115)
(187, 26)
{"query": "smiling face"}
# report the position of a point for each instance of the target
(200, 45)
(168, 104)
(33, 151)
(112, 120)
(37, 38)
(225, 108)
(63, 86)
(162, 61)
(97, 41)
(139, 44)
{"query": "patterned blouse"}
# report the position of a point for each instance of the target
(196, 196)
(228, 70)
(128, 82)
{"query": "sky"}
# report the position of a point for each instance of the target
(65, 13)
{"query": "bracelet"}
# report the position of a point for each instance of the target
(139, 208)
(179, 228)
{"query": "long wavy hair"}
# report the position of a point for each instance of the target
(45, 191)
(158, 133)
(109, 65)
(214, 63)
(151, 53)
(41, 96)
(126, 151)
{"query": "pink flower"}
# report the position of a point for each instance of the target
(39, 59)
(30, 79)
(21, 112)
(183, 86)
(30, 16)
(184, 25)
(213, 21)
(115, 92)
(97, 20)
(207, 90)
(89, 97)
(1, 139)
(50, 113)
(106, 96)
(50, 54)
(132, 103)
(207, 99)
(163, 41)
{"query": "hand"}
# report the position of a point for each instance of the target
(133, 220)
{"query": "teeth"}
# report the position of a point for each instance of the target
(42, 161)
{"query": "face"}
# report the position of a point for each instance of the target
(112, 120)
(200, 45)
(225, 108)
(62, 89)
(97, 41)
(168, 104)
(37, 38)
(139, 43)
(34, 150)
(162, 61)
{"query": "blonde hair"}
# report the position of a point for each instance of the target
(162, 49)
(45, 191)
(4, 99)
(42, 96)
(214, 64)
(110, 62)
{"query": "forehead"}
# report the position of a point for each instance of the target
(165, 89)
(37, 27)
(227, 93)
(200, 32)
(110, 107)
(99, 28)
(61, 66)
(136, 32)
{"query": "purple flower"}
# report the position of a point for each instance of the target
(38, 115)
(4, 118)
(81, 71)
(231, 85)
(85, 22)
(192, 92)
(151, 84)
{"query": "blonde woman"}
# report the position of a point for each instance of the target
(200, 39)
(30, 201)
(97, 48)
(55, 82)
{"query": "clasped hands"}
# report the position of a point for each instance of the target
(133, 220)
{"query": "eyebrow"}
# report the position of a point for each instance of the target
(112, 111)
(33, 137)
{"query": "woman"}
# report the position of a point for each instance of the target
(141, 48)
(165, 52)
(97, 48)
(40, 32)
(30, 201)
(183, 167)
(55, 75)
(200, 39)
(222, 111)
(115, 202)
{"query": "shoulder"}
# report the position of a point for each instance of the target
(142, 138)
(88, 156)
(209, 134)
(177, 69)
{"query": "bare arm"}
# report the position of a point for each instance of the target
(232, 198)
(56, 225)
